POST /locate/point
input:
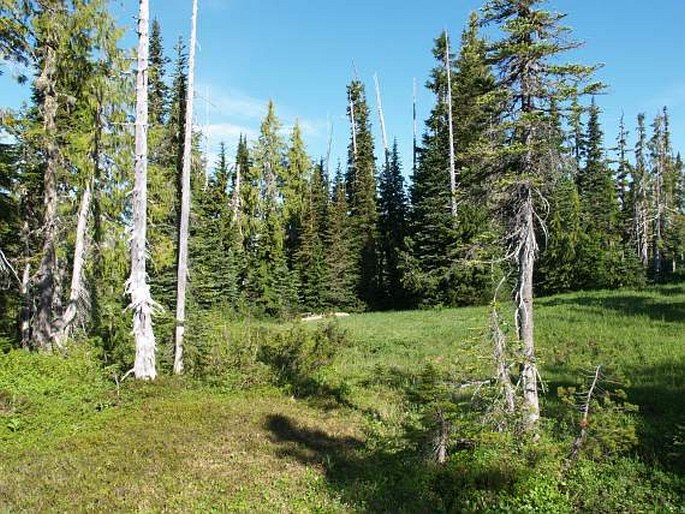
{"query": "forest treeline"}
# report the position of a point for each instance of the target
(278, 232)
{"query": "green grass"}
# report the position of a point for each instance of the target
(70, 441)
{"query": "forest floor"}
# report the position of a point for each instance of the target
(72, 441)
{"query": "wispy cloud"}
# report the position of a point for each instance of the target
(224, 114)
(231, 104)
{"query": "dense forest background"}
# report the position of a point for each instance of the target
(276, 232)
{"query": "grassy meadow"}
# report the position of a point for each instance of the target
(259, 426)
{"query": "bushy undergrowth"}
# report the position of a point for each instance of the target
(45, 394)
(398, 380)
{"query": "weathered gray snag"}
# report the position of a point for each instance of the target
(182, 275)
(414, 129)
(141, 300)
(526, 252)
(236, 194)
(450, 123)
(354, 129)
(379, 105)
(78, 292)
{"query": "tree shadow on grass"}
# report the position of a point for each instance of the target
(628, 305)
(378, 477)
(659, 391)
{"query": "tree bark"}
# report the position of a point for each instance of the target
(450, 123)
(141, 300)
(46, 87)
(182, 276)
(384, 135)
(62, 326)
(527, 248)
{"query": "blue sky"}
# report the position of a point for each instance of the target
(300, 53)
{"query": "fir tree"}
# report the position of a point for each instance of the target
(339, 256)
(361, 191)
(528, 58)
(601, 248)
(392, 229)
(158, 90)
(310, 263)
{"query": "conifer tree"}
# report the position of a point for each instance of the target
(361, 190)
(297, 174)
(166, 163)
(601, 247)
(528, 58)
(158, 90)
(271, 283)
(639, 196)
(214, 254)
(427, 263)
(340, 262)
(442, 251)
(392, 204)
(309, 260)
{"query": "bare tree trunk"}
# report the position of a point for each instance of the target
(527, 248)
(236, 194)
(25, 327)
(45, 86)
(642, 224)
(414, 129)
(62, 326)
(499, 349)
(141, 301)
(379, 104)
(354, 130)
(7, 268)
(182, 276)
(27, 307)
(450, 122)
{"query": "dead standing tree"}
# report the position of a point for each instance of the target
(144, 367)
(182, 275)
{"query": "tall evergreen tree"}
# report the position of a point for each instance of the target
(271, 285)
(392, 204)
(440, 265)
(361, 191)
(309, 262)
(528, 58)
(340, 261)
(601, 249)
(158, 90)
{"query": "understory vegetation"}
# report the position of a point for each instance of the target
(346, 416)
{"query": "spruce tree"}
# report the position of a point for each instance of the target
(296, 175)
(392, 219)
(361, 191)
(158, 90)
(601, 247)
(441, 264)
(272, 286)
(339, 257)
(309, 262)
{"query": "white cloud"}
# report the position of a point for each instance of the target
(231, 104)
